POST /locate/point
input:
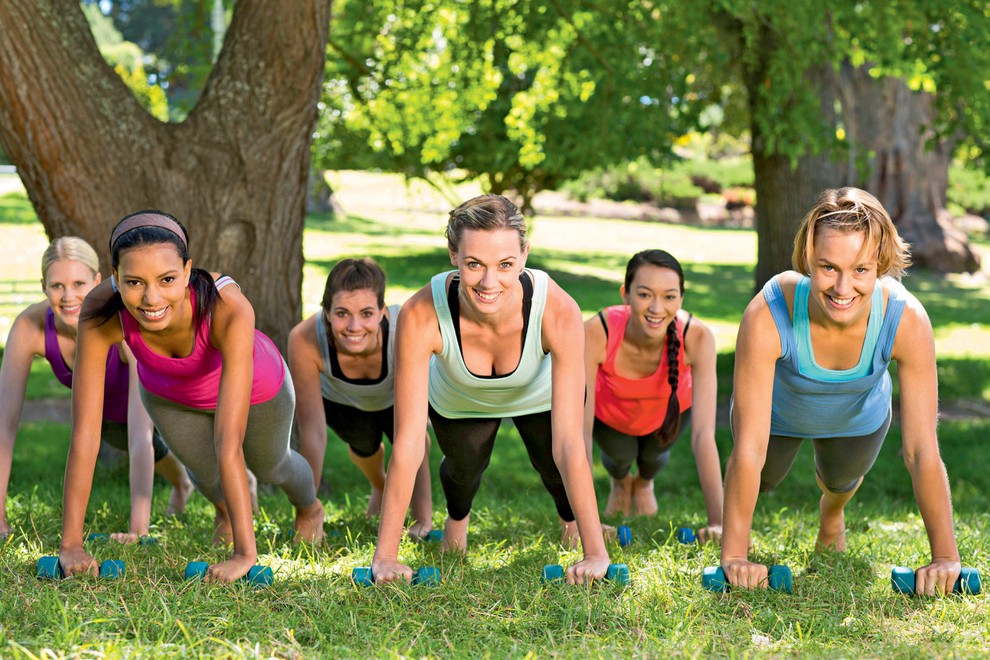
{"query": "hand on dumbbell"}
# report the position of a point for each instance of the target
(615, 573)
(927, 581)
(364, 576)
(747, 575)
(260, 576)
(71, 562)
(235, 568)
(686, 535)
(125, 538)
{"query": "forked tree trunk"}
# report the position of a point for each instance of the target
(894, 157)
(234, 172)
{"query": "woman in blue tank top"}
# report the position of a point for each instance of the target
(811, 362)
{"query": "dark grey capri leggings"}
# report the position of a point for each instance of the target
(115, 435)
(839, 462)
(650, 452)
(189, 434)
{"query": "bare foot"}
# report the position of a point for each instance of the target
(831, 529)
(374, 503)
(180, 494)
(223, 533)
(644, 501)
(620, 497)
(455, 535)
(569, 536)
(309, 522)
(253, 489)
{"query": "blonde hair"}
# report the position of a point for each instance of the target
(484, 213)
(852, 210)
(69, 248)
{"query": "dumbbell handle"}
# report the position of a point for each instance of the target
(51, 568)
(902, 579)
(779, 579)
(428, 575)
(617, 573)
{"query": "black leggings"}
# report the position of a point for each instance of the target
(115, 435)
(467, 449)
(362, 430)
(650, 452)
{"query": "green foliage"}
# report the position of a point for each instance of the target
(969, 189)
(522, 94)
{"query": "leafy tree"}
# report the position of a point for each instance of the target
(234, 170)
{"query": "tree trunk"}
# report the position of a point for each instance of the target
(894, 157)
(234, 172)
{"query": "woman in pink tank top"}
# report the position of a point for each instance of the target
(651, 365)
(69, 271)
(216, 388)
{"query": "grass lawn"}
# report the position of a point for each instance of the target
(492, 603)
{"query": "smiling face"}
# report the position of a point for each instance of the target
(65, 285)
(654, 296)
(355, 322)
(489, 263)
(843, 276)
(153, 283)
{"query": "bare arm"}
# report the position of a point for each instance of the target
(594, 355)
(26, 339)
(232, 331)
(140, 452)
(305, 364)
(914, 351)
(757, 349)
(563, 337)
(93, 343)
(700, 355)
(417, 338)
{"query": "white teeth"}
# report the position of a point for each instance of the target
(155, 315)
(487, 297)
(841, 301)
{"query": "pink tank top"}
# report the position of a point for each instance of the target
(194, 380)
(114, 385)
(636, 406)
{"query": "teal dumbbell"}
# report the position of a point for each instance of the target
(428, 575)
(685, 535)
(433, 536)
(624, 534)
(968, 582)
(144, 541)
(780, 579)
(616, 573)
(259, 576)
(49, 568)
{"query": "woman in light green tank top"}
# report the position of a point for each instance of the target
(487, 244)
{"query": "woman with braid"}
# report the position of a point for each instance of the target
(651, 372)
(216, 388)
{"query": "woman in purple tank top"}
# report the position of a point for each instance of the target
(216, 388)
(70, 269)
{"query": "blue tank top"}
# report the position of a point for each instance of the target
(839, 405)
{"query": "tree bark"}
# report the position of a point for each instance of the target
(234, 172)
(894, 157)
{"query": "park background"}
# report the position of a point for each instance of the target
(655, 172)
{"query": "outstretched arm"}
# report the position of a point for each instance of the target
(89, 375)
(914, 351)
(417, 338)
(563, 337)
(700, 354)
(140, 453)
(305, 364)
(26, 339)
(757, 349)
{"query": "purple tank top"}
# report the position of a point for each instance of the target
(115, 384)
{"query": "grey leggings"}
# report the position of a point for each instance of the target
(650, 452)
(189, 434)
(839, 462)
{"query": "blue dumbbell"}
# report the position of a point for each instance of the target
(259, 576)
(433, 536)
(49, 568)
(624, 534)
(617, 573)
(103, 538)
(428, 575)
(968, 582)
(685, 535)
(780, 579)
